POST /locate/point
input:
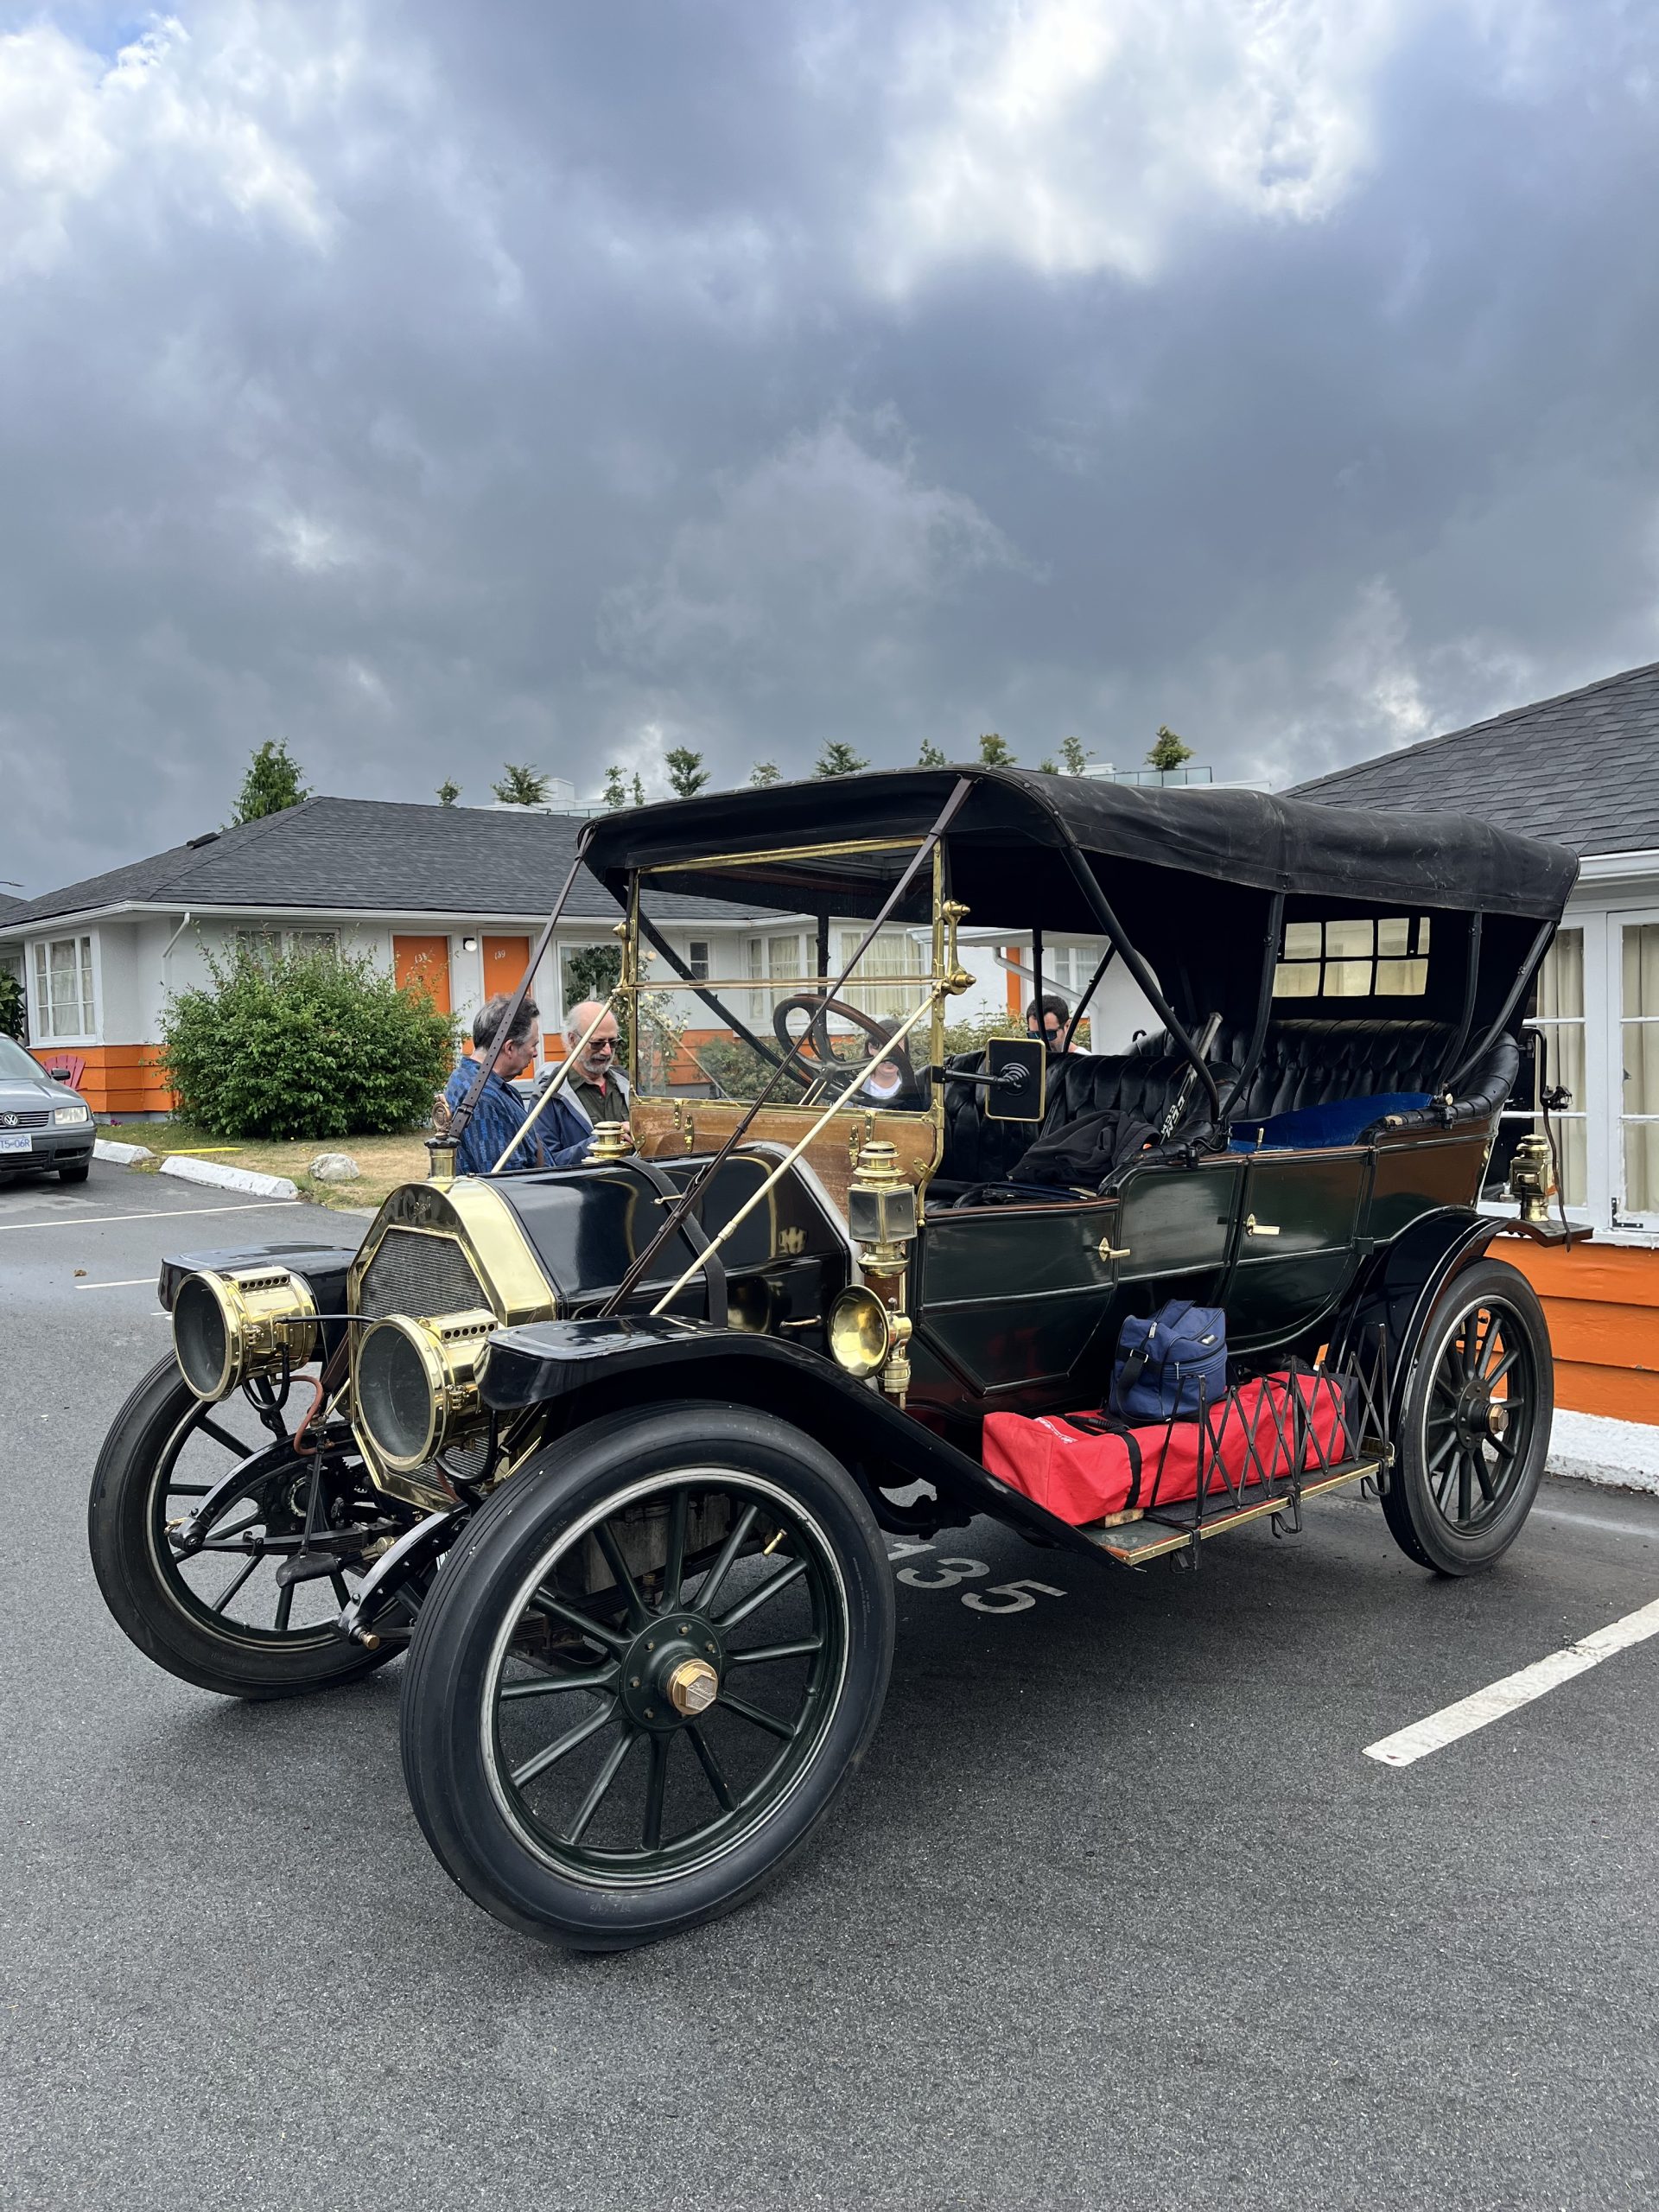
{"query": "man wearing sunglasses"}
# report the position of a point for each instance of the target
(595, 1086)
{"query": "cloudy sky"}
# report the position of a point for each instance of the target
(559, 380)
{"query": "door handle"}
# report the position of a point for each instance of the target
(1255, 1228)
(1107, 1250)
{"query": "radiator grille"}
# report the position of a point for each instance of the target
(32, 1119)
(418, 1274)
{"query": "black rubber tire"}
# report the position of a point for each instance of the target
(138, 1589)
(1415, 1520)
(446, 1683)
(75, 1175)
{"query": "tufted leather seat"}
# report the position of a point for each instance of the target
(1304, 1063)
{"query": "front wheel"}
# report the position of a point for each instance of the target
(1476, 1428)
(249, 1608)
(644, 1673)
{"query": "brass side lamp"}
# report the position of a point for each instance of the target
(868, 1327)
(1529, 1177)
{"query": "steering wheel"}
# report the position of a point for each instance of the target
(818, 1059)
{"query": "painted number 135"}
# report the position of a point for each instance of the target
(946, 1574)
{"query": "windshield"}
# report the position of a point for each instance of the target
(769, 979)
(14, 1061)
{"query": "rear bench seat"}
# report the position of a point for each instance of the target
(1304, 1063)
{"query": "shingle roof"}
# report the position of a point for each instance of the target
(344, 855)
(7, 903)
(1581, 770)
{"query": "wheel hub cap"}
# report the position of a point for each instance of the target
(693, 1686)
(671, 1671)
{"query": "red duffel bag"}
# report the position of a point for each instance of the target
(1083, 1466)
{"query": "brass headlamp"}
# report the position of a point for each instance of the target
(416, 1384)
(868, 1327)
(233, 1324)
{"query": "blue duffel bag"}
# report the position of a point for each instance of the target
(1163, 1365)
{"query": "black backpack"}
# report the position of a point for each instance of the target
(1081, 1155)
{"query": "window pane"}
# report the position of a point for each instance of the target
(1641, 971)
(1402, 979)
(1296, 979)
(1303, 940)
(1569, 1138)
(1641, 1167)
(1559, 1063)
(1560, 978)
(1348, 940)
(1394, 937)
(1347, 979)
(698, 957)
(783, 955)
(309, 944)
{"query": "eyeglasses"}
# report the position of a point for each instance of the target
(602, 1044)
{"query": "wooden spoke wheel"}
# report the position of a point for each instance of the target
(1476, 1427)
(224, 1548)
(645, 1672)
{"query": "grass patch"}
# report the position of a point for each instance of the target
(385, 1161)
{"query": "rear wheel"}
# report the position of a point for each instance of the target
(1476, 1428)
(249, 1607)
(644, 1672)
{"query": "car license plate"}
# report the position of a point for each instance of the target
(15, 1141)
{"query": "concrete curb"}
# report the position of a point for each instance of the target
(120, 1156)
(229, 1179)
(1594, 1448)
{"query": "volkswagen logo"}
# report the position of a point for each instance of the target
(10, 1120)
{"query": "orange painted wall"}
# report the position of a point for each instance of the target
(1602, 1302)
(116, 1078)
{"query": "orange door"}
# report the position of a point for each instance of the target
(425, 961)
(506, 959)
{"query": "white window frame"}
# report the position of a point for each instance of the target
(1618, 1216)
(40, 985)
(1602, 921)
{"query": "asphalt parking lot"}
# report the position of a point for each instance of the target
(1117, 1912)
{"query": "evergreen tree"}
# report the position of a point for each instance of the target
(686, 772)
(1168, 750)
(448, 792)
(765, 772)
(931, 756)
(994, 751)
(1075, 756)
(521, 786)
(271, 785)
(615, 793)
(838, 760)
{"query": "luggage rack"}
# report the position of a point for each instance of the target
(1261, 1492)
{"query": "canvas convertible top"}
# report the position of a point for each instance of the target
(1013, 820)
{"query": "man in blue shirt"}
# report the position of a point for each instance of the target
(560, 1138)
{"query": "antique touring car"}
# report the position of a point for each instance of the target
(610, 1452)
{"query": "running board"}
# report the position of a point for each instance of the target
(1157, 1534)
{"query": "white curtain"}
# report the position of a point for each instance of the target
(1560, 1022)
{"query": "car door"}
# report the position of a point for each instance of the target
(1299, 1241)
(1021, 1305)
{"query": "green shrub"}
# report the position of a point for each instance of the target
(12, 1005)
(316, 1046)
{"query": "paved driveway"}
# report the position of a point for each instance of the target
(1116, 1914)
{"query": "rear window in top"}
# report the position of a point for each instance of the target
(1385, 959)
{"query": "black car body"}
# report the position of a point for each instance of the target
(575, 1434)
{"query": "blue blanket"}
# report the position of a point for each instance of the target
(1308, 1128)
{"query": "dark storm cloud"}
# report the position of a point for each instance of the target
(544, 382)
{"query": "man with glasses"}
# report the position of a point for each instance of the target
(561, 1137)
(595, 1086)
(1046, 1018)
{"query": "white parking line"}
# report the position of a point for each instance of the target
(166, 1213)
(1491, 1704)
(131, 1282)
